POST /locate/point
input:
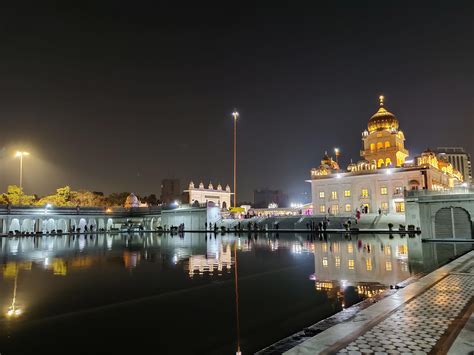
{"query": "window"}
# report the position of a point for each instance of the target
(334, 195)
(347, 193)
(398, 190)
(348, 207)
(350, 248)
(384, 206)
(383, 190)
(365, 193)
(387, 144)
(321, 194)
(372, 146)
(388, 162)
(379, 145)
(380, 163)
(322, 209)
(350, 264)
(388, 266)
(325, 262)
(387, 250)
(335, 209)
(368, 264)
(400, 206)
(338, 262)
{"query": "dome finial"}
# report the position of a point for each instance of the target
(381, 98)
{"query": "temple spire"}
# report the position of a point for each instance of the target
(381, 98)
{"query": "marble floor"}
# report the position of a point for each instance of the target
(419, 325)
(425, 317)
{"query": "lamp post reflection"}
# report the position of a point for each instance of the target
(14, 310)
(237, 317)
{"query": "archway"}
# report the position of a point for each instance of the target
(28, 225)
(62, 225)
(82, 224)
(110, 224)
(14, 225)
(453, 222)
(92, 224)
(50, 225)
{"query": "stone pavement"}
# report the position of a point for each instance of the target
(425, 317)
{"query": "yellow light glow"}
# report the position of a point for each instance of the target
(20, 154)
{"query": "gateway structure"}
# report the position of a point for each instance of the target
(379, 180)
(201, 195)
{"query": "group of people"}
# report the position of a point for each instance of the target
(212, 227)
(91, 228)
(321, 226)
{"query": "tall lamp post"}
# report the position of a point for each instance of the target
(235, 114)
(338, 152)
(21, 155)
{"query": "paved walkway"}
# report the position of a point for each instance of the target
(425, 317)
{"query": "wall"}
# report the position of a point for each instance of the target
(421, 208)
(193, 218)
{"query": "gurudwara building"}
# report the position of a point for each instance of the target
(379, 180)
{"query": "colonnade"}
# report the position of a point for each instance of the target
(47, 224)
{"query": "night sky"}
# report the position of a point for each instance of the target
(117, 97)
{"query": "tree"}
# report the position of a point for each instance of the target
(62, 197)
(116, 199)
(15, 196)
(150, 200)
(87, 198)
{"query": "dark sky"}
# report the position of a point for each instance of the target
(115, 96)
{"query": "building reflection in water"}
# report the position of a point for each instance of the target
(350, 270)
(347, 270)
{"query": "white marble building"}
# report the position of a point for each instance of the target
(379, 180)
(218, 196)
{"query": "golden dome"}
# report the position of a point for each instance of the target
(382, 119)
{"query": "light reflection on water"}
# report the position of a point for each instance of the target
(291, 281)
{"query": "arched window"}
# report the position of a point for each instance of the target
(387, 144)
(372, 146)
(380, 163)
(388, 162)
(379, 145)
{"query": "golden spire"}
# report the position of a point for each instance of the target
(381, 98)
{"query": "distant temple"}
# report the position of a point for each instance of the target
(200, 195)
(380, 178)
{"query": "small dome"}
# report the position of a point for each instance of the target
(201, 185)
(131, 201)
(219, 187)
(227, 188)
(382, 120)
(191, 185)
(210, 187)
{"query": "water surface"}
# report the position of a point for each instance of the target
(125, 294)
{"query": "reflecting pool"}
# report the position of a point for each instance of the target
(126, 294)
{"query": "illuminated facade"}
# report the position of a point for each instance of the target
(201, 195)
(379, 180)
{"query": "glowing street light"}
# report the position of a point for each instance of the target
(235, 114)
(21, 155)
(338, 152)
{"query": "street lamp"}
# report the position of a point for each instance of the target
(21, 155)
(235, 114)
(338, 152)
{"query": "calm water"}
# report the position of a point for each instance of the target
(175, 295)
